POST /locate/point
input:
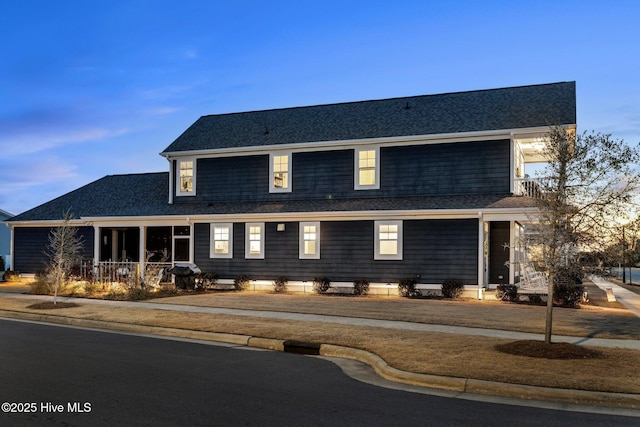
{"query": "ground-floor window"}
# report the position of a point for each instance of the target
(254, 240)
(309, 240)
(388, 240)
(221, 244)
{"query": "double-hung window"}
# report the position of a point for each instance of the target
(367, 168)
(221, 240)
(388, 240)
(309, 240)
(254, 240)
(280, 172)
(186, 177)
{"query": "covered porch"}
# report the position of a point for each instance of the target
(124, 249)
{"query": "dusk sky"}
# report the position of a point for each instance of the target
(95, 88)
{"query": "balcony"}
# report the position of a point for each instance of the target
(527, 187)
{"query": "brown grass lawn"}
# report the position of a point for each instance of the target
(432, 353)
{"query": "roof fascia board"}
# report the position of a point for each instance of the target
(351, 143)
(493, 214)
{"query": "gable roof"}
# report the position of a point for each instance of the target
(482, 110)
(146, 195)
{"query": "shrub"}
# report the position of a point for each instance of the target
(321, 284)
(11, 276)
(91, 288)
(241, 282)
(137, 294)
(535, 299)
(507, 293)
(568, 294)
(205, 280)
(280, 284)
(568, 288)
(360, 287)
(452, 288)
(407, 287)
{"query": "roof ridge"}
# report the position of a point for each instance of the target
(395, 98)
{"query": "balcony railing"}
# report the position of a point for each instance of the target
(118, 271)
(527, 187)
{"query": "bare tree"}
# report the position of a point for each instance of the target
(589, 181)
(64, 247)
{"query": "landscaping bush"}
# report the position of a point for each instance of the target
(137, 294)
(321, 285)
(241, 282)
(507, 293)
(91, 288)
(452, 288)
(280, 284)
(205, 280)
(568, 294)
(568, 288)
(360, 287)
(407, 287)
(535, 298)
(11, 276)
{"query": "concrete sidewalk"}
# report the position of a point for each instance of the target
(630, 300)
(356, 321)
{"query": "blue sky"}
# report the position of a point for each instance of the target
(93, 88)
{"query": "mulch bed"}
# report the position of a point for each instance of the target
(49, 305)
(540, 349)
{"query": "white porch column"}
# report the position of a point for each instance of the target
(512, 252)
(481, 257)
(142, 249)
(96, 245)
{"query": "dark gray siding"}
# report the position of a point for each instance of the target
(499, 236)
(30, 244)
(445, 169)
(433, 249)
(416, 170)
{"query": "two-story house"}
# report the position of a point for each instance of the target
(430, 186)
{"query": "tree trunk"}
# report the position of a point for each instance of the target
(549, 321)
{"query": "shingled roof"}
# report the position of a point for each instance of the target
(145, 195)
(481, 110)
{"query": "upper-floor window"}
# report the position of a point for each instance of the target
(309, 240)
(367, 168)
(221, 240)
(254, 240)
(186, 177)
(388, 240)
(280, 172)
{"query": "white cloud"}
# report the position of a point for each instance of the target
(21, 143)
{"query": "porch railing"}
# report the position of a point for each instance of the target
(120, 271)
(527, 187)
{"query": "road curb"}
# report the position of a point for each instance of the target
(462, 385)
(467, 385)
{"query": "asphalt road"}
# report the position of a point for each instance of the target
(51, 375)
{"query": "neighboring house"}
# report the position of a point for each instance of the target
(429, 186)
(5, 241)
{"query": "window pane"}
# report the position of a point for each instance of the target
(221, 247)
(388, 247)
(309, 247)
(254, 247)
(182, 250)
(182, 230)
(367, 177)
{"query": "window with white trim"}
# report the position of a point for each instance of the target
(309, 240)
(367, 168)
(221, 240)
(254, 240)
(280, 172)
(388, 240)
(186, 177)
